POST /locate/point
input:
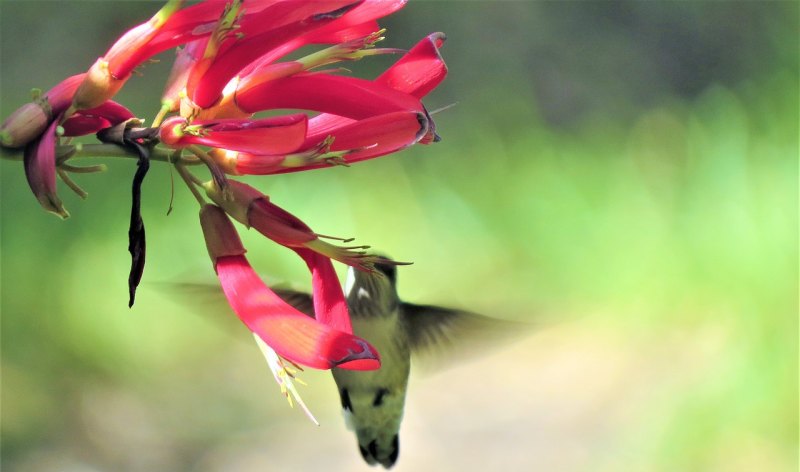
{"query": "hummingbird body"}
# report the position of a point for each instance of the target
(372, 401)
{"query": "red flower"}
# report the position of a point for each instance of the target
(30, 120)
(40, 154)
(257, 34)
(350, 142)
(166, 29)
(93, 120)
(339, 136)
(289, 332)
(280, 134)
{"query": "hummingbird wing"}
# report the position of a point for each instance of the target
(209, 296)
(300, 300)
(437, 335)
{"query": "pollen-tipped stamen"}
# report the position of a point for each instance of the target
(284, 376)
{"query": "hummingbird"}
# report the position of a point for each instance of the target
(373, 401)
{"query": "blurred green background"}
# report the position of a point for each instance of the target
(623, 174)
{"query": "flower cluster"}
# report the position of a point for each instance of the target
(232, 63)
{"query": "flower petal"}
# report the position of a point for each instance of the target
(289, 332)
(362, 139)
(31, 119)
(149, 39)
(260, 32)
(93, 120)
(275, 135)
(345, 96)
(356, 23)
(330, 307)
(420, 70)
(40, 169)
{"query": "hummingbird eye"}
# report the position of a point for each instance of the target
(389, 270)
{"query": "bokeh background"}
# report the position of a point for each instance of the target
(623, 175)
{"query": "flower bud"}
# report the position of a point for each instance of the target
(31, 119)
(221, 237)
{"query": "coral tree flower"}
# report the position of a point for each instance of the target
(359, 119)
(254, 209)
(30, 120)
(278, 134)
(257, 34)
(290, 333)
(40, 154)
(168, 28)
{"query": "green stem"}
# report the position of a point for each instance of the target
(83, 170)
(71, 184)
(73, 151)
(162, 112)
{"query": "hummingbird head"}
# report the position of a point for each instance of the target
(372, 293)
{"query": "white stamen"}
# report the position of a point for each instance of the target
(283, 376)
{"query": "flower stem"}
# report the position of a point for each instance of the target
(71, 184)
(162, 112)
(71, 151)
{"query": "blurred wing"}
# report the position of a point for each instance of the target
(206, 297)
(300, 300)
(209, 297)
(438, 336)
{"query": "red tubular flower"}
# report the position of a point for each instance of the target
(258, 33)
(344, 96)
(40, 169)
(31, 119)
(356, 23)
(289, 332)
(330, 306)
(420, 70)
(93, 120)
(281, 134)
(253, 209)
(185, 59)
(166, 29)
(351, 142)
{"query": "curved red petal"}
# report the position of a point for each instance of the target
(330, 305)
(366, 139)
(81, 125)
(357, 23)
(262, 32)
(289, 332)
(276, 135)
(378, 135)
(93, 120)
(420, 70)
(278, 224)
(345, 96)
